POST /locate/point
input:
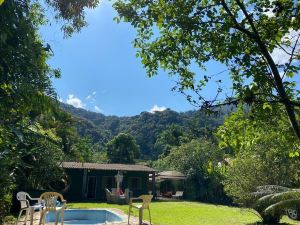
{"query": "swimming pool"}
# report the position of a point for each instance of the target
(86, 217)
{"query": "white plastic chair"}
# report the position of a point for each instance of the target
(178, 195)
(24, 198)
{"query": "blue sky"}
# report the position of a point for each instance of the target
(101, 73)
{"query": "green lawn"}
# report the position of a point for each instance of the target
(190, 213)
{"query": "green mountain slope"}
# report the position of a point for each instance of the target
(145, 127)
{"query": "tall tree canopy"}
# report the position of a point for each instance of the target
(31, 139)
(122, 149)
(243, 35)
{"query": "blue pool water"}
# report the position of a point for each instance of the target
(85, 217)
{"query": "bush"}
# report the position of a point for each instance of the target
(10, 220)
(6, 202)
(199, 160)
(263, 165)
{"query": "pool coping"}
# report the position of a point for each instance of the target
(133, 220)
(118, 212)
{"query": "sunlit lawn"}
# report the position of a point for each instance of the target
(190, 213)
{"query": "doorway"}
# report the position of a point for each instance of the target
(91, 187)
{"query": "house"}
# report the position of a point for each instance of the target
(89, 180)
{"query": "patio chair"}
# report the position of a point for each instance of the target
(178, 195)
(114, 191)
(117, 199)
(158, 194)
(145, 205)
(24, 198)
(49, 200)
(109, 196)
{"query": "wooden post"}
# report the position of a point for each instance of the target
(153, 185)
(84, 177)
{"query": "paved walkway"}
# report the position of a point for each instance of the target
(133, 220)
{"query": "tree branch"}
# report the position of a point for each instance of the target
(281, 90)
(291, 57)
(237, 25)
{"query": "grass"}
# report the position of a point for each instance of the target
(190, 213)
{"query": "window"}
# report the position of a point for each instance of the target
(135, 183)
(108, 182)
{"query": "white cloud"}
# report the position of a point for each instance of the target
(97, 109)
(279, 55)
(91, 96)
(157, 108)
(269, 11)
(60, 99)
(74, 101)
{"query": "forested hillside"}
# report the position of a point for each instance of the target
(145, 128)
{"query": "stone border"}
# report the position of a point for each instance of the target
(133, 220)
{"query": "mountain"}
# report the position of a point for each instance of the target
(145, 127)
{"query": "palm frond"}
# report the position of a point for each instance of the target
(274, 200)
(281, 206)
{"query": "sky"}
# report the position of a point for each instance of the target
(100, 71)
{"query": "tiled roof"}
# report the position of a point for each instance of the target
(173, 175)
(98, 166)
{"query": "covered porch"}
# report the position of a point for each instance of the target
(89, 181)
(170, 184)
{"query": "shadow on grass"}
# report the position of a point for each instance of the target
(261, 223)
(167, 200)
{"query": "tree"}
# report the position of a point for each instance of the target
(248, 127)
(28, 148)
(242, 35)
(173, 135)
(122, 149)
(25, 90)
(261, 149)
(199, 160)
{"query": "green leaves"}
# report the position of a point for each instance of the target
(267, 106)
(263, 145)
(246, 37)
(199, 159)
(33, 136)
(71, 13)
(294, 154)
(117, 19)
(122, 149)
